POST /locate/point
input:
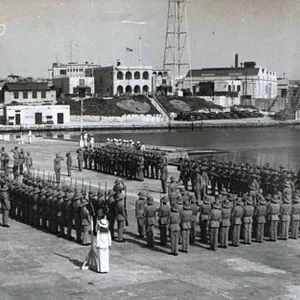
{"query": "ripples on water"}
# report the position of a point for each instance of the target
(276, 145)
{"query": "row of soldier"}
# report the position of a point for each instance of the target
(235, 178)
(221, 218)
(123, 159)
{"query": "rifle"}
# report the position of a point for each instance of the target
(125, 209)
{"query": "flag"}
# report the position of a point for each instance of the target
(129, 49)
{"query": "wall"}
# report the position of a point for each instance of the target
(273, 105)
(75, 81)
(50, 97)
(223, 100)
(27, 113)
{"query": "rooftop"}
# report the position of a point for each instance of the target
(26, 86)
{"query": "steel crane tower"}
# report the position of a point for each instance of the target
(177, 56)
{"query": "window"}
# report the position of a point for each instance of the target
(120, 75)
(81, 81)
(43, 94)
(62, 72)
(229, 88)
(49, 117)
(34, 94)
(137, 75)
(80, 70)
(238, 88)
(128, 75)
(16, 95)
(145, 75)
(25, 95)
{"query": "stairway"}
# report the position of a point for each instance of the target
(159, 107)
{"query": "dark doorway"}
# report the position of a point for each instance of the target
(38, 118)
(60, 118)
(18, 119)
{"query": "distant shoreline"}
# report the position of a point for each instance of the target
(188, 125)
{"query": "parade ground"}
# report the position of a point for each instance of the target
(40, 266)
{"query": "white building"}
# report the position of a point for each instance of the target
(248, 81)
(27, 93)
(70, 79)
(36, 115)
(119, 80)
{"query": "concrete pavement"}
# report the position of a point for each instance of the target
(37, 265)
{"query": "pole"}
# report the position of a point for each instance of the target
(140, 61)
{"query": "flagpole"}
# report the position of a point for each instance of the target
(140, 60)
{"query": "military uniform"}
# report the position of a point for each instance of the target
(295, 216)
(205, 209)
(85, 221)
(273, 211)
(77, 216)
(69, 163)
(164, 219)
(194, 209)
(247, 221)
(236, 215)
(140, 205)
(185, 224)
(285, 212)
(57, 167)
(120, 216)
(5, 205)
(225, 223)
(174, 229)
(260, 218)
(150, 220)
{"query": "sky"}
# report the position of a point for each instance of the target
(37, 32)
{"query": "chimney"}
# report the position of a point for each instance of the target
(236, 60)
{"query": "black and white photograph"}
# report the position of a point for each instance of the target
(148, 149)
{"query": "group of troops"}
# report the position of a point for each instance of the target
(221, 218)
(59, 209)
(21, 160)
(234, 178)
(123, 158)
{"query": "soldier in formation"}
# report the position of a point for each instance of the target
(124, 158)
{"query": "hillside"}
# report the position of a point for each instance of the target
(182, 104)
(112, 106)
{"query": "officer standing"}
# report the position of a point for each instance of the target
(194, 209)
(285, 211)
(111, 214)
(164, 172)
(185, 224)
(85, 222)
(214, 224)
(120, 217)
(69, 163)
(260, 218)
(140, 205)
(174, 229)
(77, 215)
(247, 220)
(273, 211)
(150, 220)
(237, 214)
(79, 158)
(57, 167)
(28, 162)
(204, 209)
(225, 223)
(164, 219)
(295, 215)
(5, 205)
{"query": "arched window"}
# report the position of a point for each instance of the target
(154, 73)
(128, 89)
(120, 75)
(145, 75)
(145, 89)
(165, 74)
(120, 90)
(137, 89)
(128, 75)
(160, 74)
(137, 75)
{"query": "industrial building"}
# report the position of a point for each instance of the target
(245, 82)
(120, 80)
(27, 93)
(36, 115)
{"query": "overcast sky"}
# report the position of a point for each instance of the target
(265, 31)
